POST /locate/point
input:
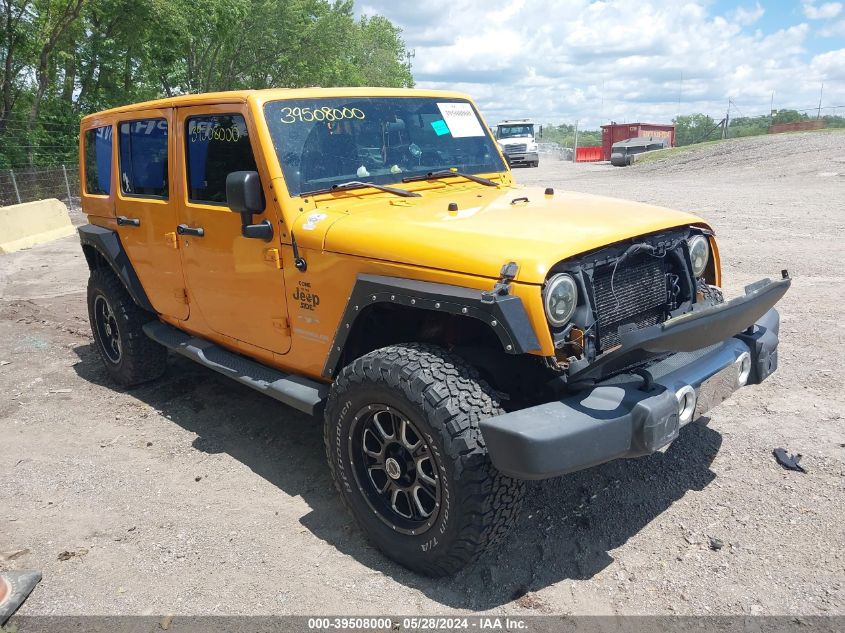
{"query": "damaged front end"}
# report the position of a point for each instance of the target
(649, 346)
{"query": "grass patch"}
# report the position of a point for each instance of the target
(660, 154)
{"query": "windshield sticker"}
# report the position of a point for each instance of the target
(312, 220)
(440, 127)
(461, 119)
(325, 113)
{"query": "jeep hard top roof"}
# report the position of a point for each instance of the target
(272, 94)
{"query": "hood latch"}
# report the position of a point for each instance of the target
(502, 287)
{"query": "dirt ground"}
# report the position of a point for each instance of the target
(194, 495)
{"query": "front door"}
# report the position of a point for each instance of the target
(235, 282)
(146, 207)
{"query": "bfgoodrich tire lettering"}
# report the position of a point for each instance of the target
(443, 399)
(129, 356)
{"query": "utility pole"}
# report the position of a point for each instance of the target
(772, 109)
(601, 107)
(680, 92)
(575, 149)
(821, 93)
(727, 120)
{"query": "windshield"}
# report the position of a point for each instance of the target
(515, 131)
(329, 141)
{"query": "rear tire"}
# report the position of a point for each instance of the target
(406, 454)
(129, 356)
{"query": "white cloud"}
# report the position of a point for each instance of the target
(747, 17)
(824, 11)
(567, 60)
(835, 29)
(830, 65)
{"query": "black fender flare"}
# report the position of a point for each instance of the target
(503, 313)
(106, 243)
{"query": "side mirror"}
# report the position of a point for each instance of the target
(243, 192)
(245, 196)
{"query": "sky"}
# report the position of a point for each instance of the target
(626, 60)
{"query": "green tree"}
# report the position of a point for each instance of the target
(694, 128)
(62, 59)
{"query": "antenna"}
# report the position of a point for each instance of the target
(410, 55)
(821, 93)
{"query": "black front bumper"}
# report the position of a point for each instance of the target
(629, 416)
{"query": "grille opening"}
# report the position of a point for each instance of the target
(638, 295)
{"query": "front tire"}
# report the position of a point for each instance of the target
(406, 454)
(129, 356)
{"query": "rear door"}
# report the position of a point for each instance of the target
(236, 282)
(146, 209)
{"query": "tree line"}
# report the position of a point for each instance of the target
(62, 59)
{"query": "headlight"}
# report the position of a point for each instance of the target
(560, 298)
(532, 147)
(699, 253)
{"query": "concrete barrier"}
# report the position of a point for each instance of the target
(31, 223)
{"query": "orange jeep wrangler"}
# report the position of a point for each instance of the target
(364, 255)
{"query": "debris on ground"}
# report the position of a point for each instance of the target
(716, 544)
(12, 555)
(790, 462)
(67, 555)
(15, 586)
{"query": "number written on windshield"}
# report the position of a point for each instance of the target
(326, 113)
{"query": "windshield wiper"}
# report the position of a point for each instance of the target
(445, 173)
(358, 184)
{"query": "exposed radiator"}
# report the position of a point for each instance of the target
(638, 296)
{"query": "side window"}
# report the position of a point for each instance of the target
(217, 145)
(142, 148)
(98, 160)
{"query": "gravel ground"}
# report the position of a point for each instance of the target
(195, 495)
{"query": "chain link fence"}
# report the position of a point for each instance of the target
(555, 150)
(37, 183)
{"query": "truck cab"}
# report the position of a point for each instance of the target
(518, 140)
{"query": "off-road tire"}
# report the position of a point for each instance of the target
(444, 398)
(140, 358)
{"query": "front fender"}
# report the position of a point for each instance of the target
(504, 314)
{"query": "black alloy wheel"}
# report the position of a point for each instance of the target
(396, 470)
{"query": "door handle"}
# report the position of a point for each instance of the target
(122, 220)
(184, 229)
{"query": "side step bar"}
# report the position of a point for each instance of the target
(300, 393)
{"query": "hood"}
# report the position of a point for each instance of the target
(490, 228)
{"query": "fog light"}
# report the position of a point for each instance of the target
(744, 362)
(686, 404)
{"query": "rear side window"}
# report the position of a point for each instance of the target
(98, 160)
(143, 158)
(217, 145)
